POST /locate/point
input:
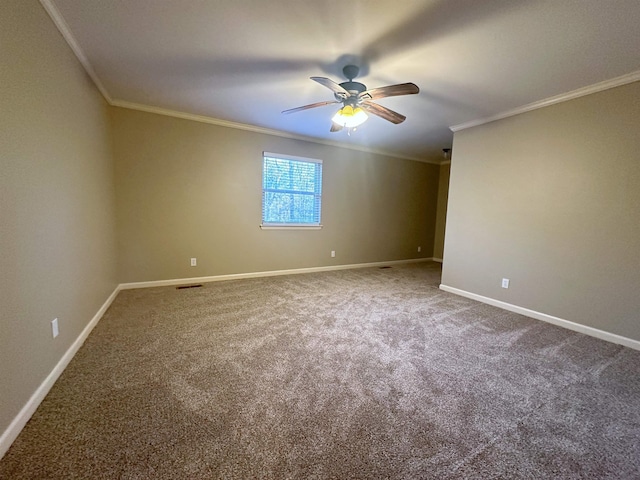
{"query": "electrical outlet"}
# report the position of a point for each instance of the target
(194, 262)
(333, 253)
(505, 283)
(54, 328)
(419, 249)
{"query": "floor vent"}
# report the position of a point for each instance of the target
(188, 286)
(382, 268)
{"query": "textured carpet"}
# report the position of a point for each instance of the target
(367, 373)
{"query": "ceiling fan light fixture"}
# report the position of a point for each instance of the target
(350, 117)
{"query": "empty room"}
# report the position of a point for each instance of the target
(294, 239)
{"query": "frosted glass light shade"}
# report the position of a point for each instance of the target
(350, 117)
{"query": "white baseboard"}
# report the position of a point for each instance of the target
(576, 327)
(18, 423)
(439, 260)
(273, 273)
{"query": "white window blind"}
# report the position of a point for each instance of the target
(291, 191)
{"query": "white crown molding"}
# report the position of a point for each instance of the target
(65, 31)
(576, 327)
(63, 28)
(256, 129)
(580, 92)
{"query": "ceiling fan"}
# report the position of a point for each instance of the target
(357, 100)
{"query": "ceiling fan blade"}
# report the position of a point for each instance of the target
(333, 86)
(390, 91)
(312, 105)
(335, 127)
(383, 112)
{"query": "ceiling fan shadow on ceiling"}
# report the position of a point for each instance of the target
(357, 101)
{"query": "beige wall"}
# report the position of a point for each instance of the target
(551, 200)
(187, 189)
(182, 189)
(441, 216)
(57, 238)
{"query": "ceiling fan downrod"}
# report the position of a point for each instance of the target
(354, 88)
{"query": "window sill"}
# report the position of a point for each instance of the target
(291, 227)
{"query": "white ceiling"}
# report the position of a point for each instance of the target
(245, 61)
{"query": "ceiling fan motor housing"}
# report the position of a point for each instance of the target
(354, 88)
(357, 98)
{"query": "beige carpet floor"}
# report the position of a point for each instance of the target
(367, 373)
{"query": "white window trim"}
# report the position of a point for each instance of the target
(291, 226)
(291, 157)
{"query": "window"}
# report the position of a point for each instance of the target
(291, 191)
